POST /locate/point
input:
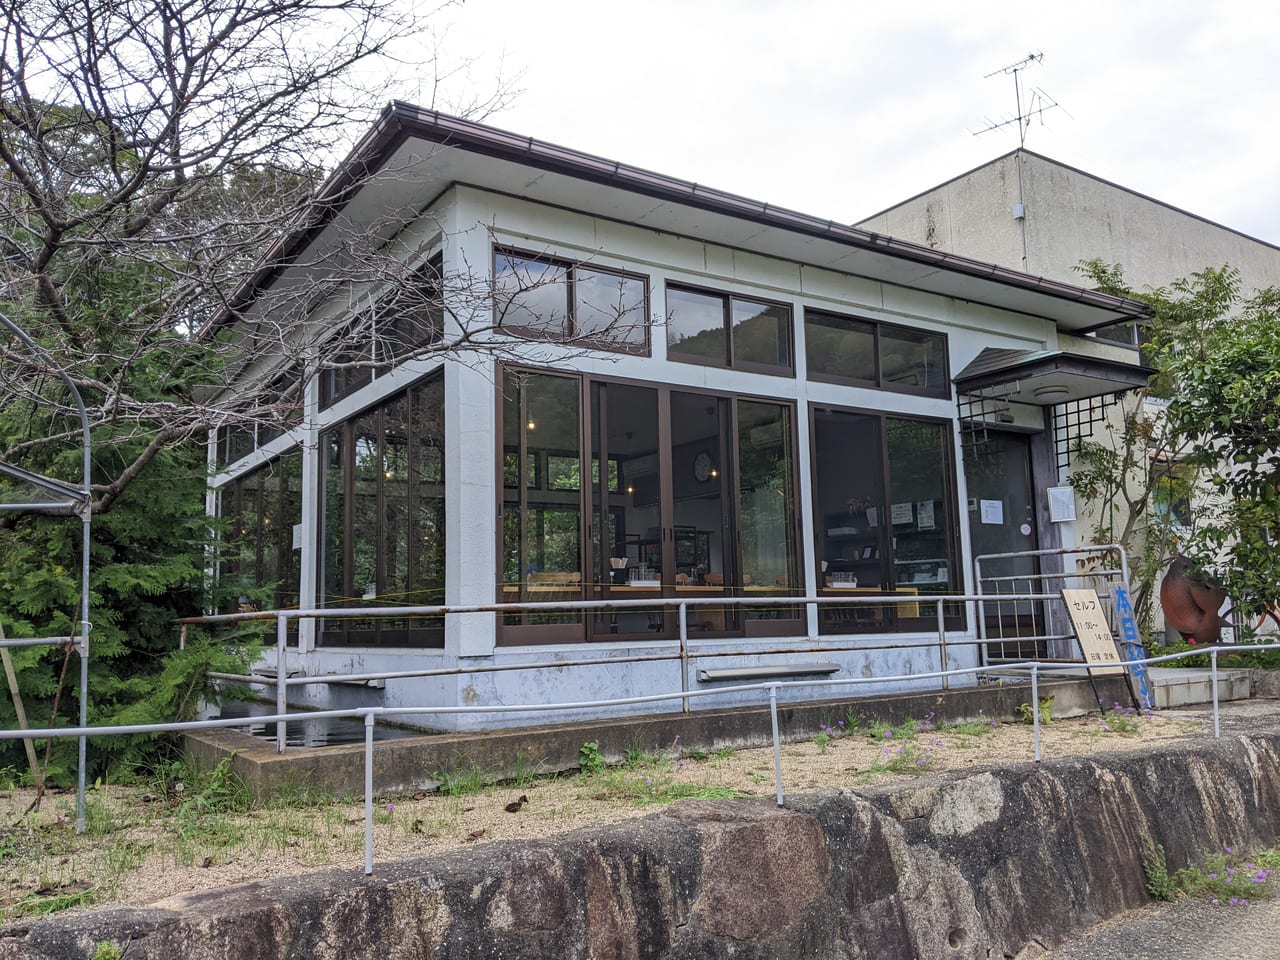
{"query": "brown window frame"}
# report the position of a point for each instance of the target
(893, 623)
(731, 362)
(879, 383)
(581, 631)
(419, 632)
(640, 349)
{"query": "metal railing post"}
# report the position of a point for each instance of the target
(282, 677)
(368, 793)
(777, 742)
(943, 663)
(1035, 708)
(1213, 678)
(682, 612)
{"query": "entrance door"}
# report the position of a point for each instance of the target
(1002, 520)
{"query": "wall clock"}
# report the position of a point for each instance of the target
(702, 467)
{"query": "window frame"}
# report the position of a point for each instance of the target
(643, 348)
(588, 506)
(879, 383)
(420, 632)
(730, 361)
(894, 623)
(374, 337)
(273, 478)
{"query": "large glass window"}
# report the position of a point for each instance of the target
(535, 296)
(688, 496)
(884, 504)
(730, 331)
(867, 353)
(542, 512)
(384, 512)
(261, 509)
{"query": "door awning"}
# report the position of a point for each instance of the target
(1044, 378)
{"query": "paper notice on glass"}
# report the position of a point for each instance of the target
(924, 514)
(992, 511)
(873, 517)
(900, 513)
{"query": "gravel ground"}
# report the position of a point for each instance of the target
(1183, 930)
(142, 846)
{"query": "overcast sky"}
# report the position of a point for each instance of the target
(842, 109)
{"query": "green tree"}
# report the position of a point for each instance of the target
(1209, 442)
(149, 153)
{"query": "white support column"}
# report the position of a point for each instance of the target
(308, 587)
(471, 494)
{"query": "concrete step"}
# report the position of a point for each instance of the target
(1182, 686)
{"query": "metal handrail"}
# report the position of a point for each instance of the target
(370, 714)
(282, 681)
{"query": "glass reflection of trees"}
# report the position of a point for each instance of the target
(384, 509)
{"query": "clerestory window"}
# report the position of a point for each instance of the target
(546, 299)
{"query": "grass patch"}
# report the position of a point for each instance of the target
(973, 728)
(460, 781)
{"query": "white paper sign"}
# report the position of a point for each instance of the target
(1062, 504)
(924, 514)
(900, 513)
(873, 517)
(992, 511)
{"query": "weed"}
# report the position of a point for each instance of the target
(906, 730)
(1044, 708)
(590, 760)
(903, 759)
(525, 771)
(46, 901)
(300, 793)
(1159, 884)
(822, 738)
(106, 950)
(654, 786)
(1121, 719)
(979, 727)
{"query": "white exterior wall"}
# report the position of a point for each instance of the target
(470, 221)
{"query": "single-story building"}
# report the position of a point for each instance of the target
(523, 373)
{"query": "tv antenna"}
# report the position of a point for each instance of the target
(1038, 102)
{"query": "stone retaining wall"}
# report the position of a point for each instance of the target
(974, 865)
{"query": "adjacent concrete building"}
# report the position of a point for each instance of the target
(1029, 212)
